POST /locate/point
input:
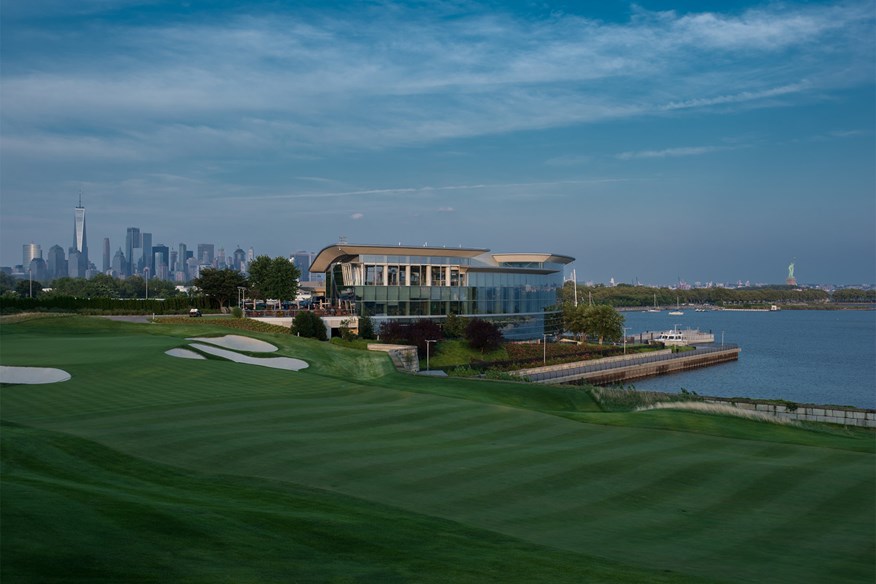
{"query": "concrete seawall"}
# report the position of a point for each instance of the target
(625, 368)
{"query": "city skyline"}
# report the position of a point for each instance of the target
(123, 265)
(653, 141)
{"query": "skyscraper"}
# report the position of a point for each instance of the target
(74, 264)
(181, 263)
(119, 263)
(302, 261)
(220, 259)
(239, 261)
(107, 262)
(161, 261)
(205, 254)
(80, 241)
(30, 251)
(38, 270)
(132, 248)
(146, 260)
(57, 263)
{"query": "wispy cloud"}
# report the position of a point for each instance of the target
(671, 152)
(340, 80)
(741, 97)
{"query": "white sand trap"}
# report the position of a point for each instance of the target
(184, 354)
(287, 363)
(32, 375)
(238, 343)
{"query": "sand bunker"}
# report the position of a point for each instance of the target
(184, 354)
(274, 362)
(32, 375)
(238, 343)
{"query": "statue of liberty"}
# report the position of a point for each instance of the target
(791, 281)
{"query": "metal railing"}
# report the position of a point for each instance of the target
(572, 373)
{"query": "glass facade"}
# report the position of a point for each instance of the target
(514, 295)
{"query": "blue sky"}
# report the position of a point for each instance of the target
(650, 140)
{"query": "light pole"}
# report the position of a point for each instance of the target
(544, 348)
(30, 277)
(626, 328)
(146, 271)
(428, 342)
(241, 296)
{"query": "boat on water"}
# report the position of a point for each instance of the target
(677, 337)
(655, 309)
(678, 311)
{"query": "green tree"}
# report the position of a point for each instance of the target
(274, 278)
(7, 282)
(308, 324)
(604, 322)
(28, 289)
(366, 327)
(574, 319)
(220, 285)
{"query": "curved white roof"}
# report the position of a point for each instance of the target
(341, 252)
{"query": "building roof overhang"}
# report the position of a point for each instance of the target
(343, 252)
(506, 270)
(532, 258)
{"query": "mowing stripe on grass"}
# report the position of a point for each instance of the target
(650, 489)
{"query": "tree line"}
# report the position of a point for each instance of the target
(626, 295)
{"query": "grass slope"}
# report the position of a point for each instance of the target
(663, 492)
(78, 511)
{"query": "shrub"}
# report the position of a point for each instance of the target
(237, 312)
(421, 331)
(392, 331)
(416, 333)
(308, 324)
(346, 332)
(454, 326)
(483, 335)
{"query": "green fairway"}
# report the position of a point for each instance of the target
(349, 471)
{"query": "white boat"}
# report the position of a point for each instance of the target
(677, 311)
(677, 337)
(655, 309)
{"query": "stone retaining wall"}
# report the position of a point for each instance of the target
(806, 413)
(404, 357)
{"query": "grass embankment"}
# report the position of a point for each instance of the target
(114, 517)
(157, 465)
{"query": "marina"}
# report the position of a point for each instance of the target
(804, 356)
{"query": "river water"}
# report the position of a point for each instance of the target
(804, 356)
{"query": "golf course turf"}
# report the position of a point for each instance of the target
(145, 467)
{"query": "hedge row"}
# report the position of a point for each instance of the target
(174, 305)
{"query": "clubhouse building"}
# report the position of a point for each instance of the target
(516, 291)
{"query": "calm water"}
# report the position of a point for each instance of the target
(821, 357)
